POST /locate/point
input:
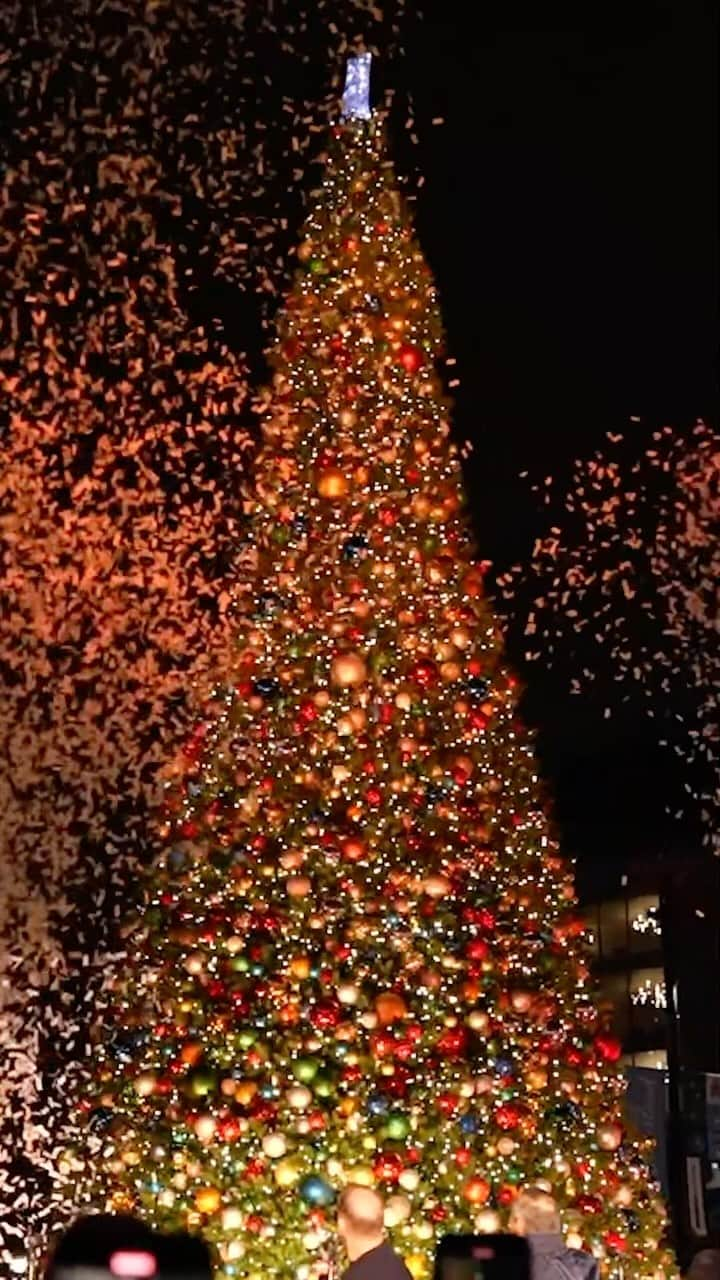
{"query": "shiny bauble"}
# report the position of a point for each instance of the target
(299, 886)
(536, 1079)
(487, 1223)
(145, 1084)
(316, 1191)
(348, 993)
(506, 1145)
(476, 1190)
(397, 1210)
(521, 1001)
(609, 1047)
(332, 483)
(390, 1007)
(207, 1200)
(398, 1127)
(410, 358)
(205, 1127)
(305, 1069)
(299, 1098)
(623, 1196)
(348, 670)
(274, 1145)
(232, 1219)
(609, 1136)
(437, 886)
(478, 1020)
(286, 1172)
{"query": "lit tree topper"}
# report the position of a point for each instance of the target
(356, 95)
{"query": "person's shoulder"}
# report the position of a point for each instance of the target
(393, 1264)
(580, 1265)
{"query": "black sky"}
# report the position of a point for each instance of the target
(569, 212)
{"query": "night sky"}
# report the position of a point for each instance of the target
(569, 213)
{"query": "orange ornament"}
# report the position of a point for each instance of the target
(300, 966)
(390, 1007)
(207, 1200)
(437, 886)
(332, 483)
(348, 669)
(476, 1190)
(190, 1053)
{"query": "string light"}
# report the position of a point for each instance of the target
(359, 956)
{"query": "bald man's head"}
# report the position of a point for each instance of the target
(361, 1219)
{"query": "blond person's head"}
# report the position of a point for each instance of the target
(534, 1213)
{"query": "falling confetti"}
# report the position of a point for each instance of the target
(154, 170)
(626, 582)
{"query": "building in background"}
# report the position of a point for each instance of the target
(655, 936)
(626, 940)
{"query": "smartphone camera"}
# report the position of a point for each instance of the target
(106, 1247)
(492, 1257)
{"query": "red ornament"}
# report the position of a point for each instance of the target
(609, 1047)
(463, 1156)
(388, 1167)
(507, 1116)
(447, 1103)
(452, 1042)
(615, 1242)
(589, 1204)
(424, 673)
(229, 1129)
(325, 1015)
(507, 1194)
(477, 949)
(410, 358)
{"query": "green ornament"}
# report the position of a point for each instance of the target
(398, 1127)
(323, 1086)
(305, 1069)
(202, 1083)
(240, 964)
(317, 266)
(247, 1038)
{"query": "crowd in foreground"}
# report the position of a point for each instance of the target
(105, 1246)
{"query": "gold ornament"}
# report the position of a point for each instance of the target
(299, 1097)
(145, 1084)
(487, 1223)
(299, 886)
(397, 1210)
(332, 483)
(348, 669)
(274, 1145)
(207, 1200)
(609, 1136)
(348, 993)
(205, 1128)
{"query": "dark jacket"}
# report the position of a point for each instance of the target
(380, 1263)
(550, 1259)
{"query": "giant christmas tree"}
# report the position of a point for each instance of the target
(359, 957)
